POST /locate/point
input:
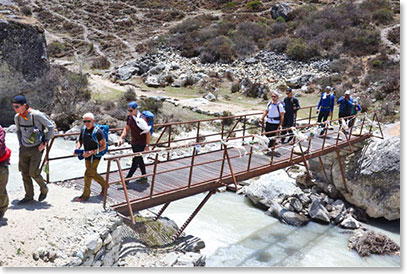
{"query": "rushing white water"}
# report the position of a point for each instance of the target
(236, 233)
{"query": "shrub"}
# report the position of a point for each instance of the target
(100, 62)
(372, 5)
(394, 36)
(278, 28)
(361, 42)
(251, 30)
(382, 16)
(218, 49)
(254, 5)
(339, 66)
(279, 45)
(297, 49)
(280, 19)
(55, 49)
(26, 11)
(243, 46)
(376, 63)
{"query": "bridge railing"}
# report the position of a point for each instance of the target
(167, 137)
(342, 135)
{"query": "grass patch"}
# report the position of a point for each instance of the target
(110, 94)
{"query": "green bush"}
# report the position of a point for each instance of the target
(382, 16)
(254, 5)
(297, 49)
(361, 42)
(218, 49)
(280, 19)
(26, 11)
(279, 45)
(376, 63)
(100, 62)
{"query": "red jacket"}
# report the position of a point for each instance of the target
(4, 151)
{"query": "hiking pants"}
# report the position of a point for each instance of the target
(29, 166)
(271, 127)
(288, 123)
(323, 116)
(91, 173)
(137, 161)
(3, 190)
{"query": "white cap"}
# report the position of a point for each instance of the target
(89, 115)
(347, 92)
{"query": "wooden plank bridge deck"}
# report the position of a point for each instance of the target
(173, 185)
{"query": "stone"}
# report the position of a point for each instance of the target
(93, 243)
(305, 200)
(318, 212)
(372, 174)
(126, 72)
(170, 259)
(281, 10)
(274, 210)
(250, 61)
(295, 204)
(153, 81)
(88, 261)
(190, 244)
(108, 239)
(191, 258)
(109, 258)
(158, 69)
(269, 187)
(292, 218)
(350, 223)
(210, 97)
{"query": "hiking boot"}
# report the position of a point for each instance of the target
(142, 180)
(24, 201)
(42, 196)
(1, 215)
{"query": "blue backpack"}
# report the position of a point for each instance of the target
(105, 129)
(150, 119)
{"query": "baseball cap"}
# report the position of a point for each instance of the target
(347, 92)
(19, 99)
(133, 105)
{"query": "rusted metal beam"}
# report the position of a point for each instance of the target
(154, 174)
(323, 168)
(192, 167)
(230, 168)
(161, 211)
(107, 182)
(304, 160)
(182, 228)
(126, 194)
(342, 171)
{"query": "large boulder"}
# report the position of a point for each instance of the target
(281, 10)
(272, 186)
(318, 212)
(372, 177)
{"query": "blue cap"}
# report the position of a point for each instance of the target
(20, 99)
(133, 105)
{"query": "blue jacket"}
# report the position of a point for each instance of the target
(345, 106)
(327, 104)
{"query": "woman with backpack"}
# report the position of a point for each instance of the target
(140, 138)
(275, 117)
(5, 154)
(94, 142)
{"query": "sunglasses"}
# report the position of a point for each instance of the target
(130, 110)
(87, 121)
(16, 106)
(273, 96)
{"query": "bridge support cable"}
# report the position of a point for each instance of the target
(200, 206)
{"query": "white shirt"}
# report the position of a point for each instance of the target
(274, 113)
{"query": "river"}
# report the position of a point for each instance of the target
(235, 232)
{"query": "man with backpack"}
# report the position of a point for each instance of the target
(34, 130)
(275, 118)
(140, 138)
(94, 142)
(345, 106)
(291, 106)
(4, 162)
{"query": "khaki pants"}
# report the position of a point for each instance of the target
(91, 173)
(3, 190)
(29, 166)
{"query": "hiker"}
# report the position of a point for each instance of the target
(34, 130)
(291, 106)
(345, 106)
(4, 162)
(326, 105)
(275, 117)
(140, 138)
(355, 109)
(87, 138)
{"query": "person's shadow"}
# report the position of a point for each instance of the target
(139, 187)
(3, 222)
(33, 205)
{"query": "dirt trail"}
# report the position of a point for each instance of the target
(383, 35)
